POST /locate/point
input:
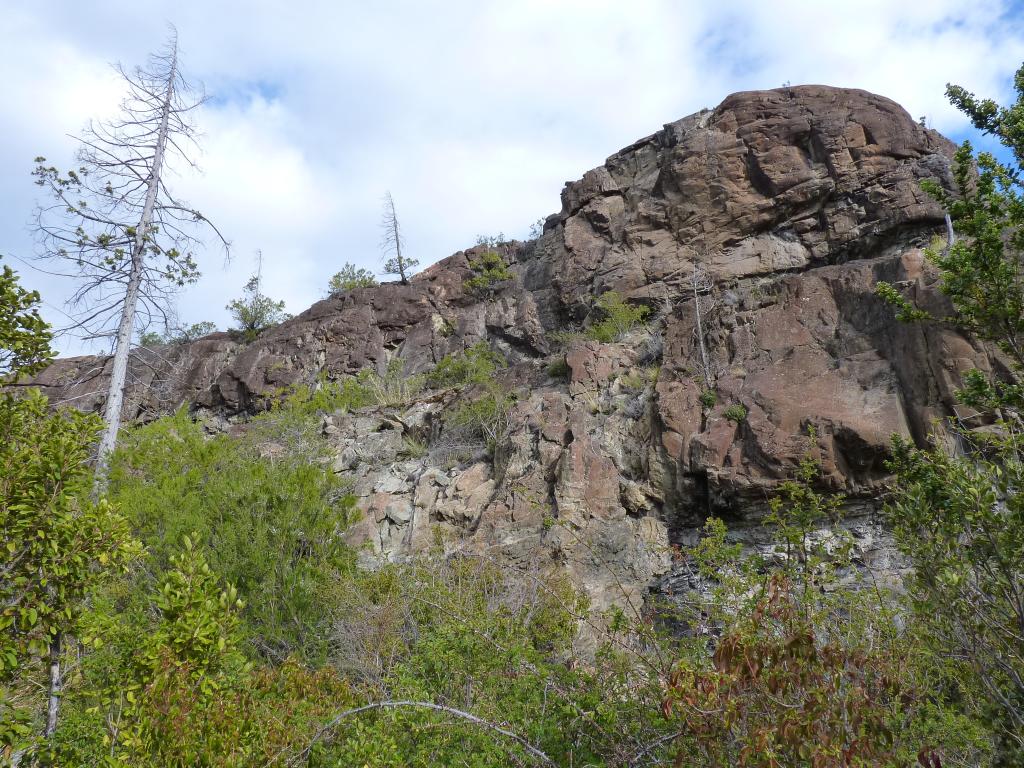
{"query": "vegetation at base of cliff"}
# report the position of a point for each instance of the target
(245, 635)
(275, 533)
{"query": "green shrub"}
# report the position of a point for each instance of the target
(255, 312)
(618, 318)
(393, 387)
(489, 270)
(346, 394)
(484, 418)
(634, 382)
(562, 339)
(151, 339)
(559, 369)
(271, 527)
(349, 278)
(475, 365)
(736, 413)
(708, 398)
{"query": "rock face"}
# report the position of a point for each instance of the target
(782, 208)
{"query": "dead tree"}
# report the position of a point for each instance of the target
(395, 262)
(701, 284)
(116, 227)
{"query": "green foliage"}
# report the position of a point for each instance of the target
(494, 641)
(708, 398)
(179, 335)
(736, 413)
(618, 317)
(394, 387)
(151, 339)
(805, 669)
(58, 547)
(961, 522)
(559, 369)
(483, 419)
(255, 312)
(180, 667)
(270, 527)
(348, 278)
(489, 269)
(475, 365)
(325, 397)
(24, 336)
(959, 519)
(174, 688)
(905, 311)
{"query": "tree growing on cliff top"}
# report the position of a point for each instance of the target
(395, 262)
(255, 312)
(116, 226)
(348, 278)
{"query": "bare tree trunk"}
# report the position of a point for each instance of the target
(398, 255)
(126, 327)
(56, 685)
(706, 366)
(396, 235)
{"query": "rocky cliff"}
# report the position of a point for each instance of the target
(755, 233)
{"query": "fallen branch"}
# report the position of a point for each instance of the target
(333, 723)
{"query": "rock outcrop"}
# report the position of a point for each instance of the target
(754, 233)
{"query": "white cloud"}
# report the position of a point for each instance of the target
(472, 113)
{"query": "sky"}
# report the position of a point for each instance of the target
(472, 113)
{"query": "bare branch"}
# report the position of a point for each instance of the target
(325, 730)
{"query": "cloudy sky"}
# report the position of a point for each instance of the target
(472, 113)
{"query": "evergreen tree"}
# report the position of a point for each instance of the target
(960, 518)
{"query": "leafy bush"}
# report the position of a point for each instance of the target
(618, 318)
(325, 397)
(475, 365)
(270, 527)
(708, 398)
(174, 688)
(24, 335)
(348, 278)
(59, 547)
(805, 669)
(489, 270)
(959, 518)
(736, 413)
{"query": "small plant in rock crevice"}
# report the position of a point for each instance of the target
(618, 317)
(489, 269)
(736, 413)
